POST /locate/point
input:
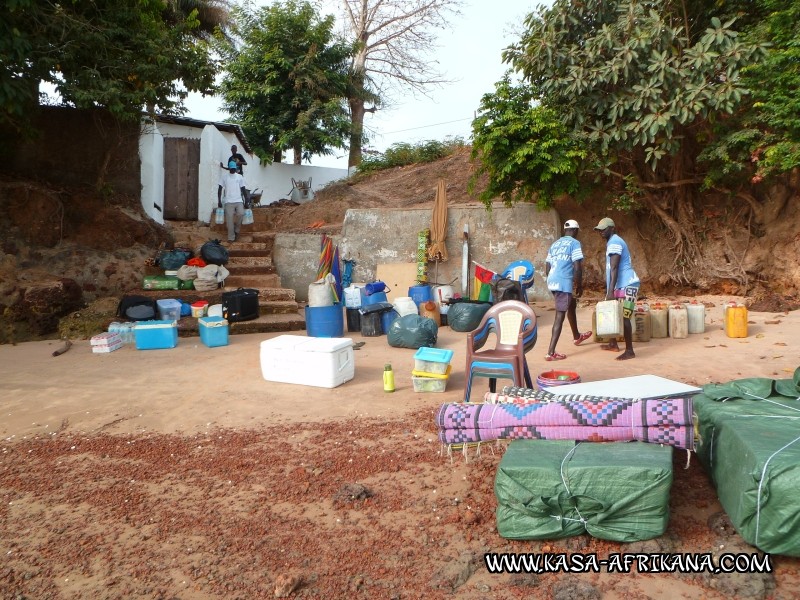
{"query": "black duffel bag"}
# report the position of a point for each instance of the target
(214, 253)
(240, 305)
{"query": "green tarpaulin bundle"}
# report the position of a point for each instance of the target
(750, 444)
(551, 489)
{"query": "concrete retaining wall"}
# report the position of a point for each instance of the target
(379, 236)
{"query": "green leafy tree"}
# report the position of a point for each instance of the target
(525, 149)
(640, 85)
(286, 81)
(123, 55)
(762, 142)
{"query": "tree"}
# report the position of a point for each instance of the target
(762, 142)
(525, 150)
(287, 80)
(394, 40)
(640, 85)
(122, 55)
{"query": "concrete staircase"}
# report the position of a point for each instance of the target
(250, 266)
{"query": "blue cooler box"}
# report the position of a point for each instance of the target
(154, 335)
(213, 331)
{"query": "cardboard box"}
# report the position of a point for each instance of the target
(319, 362)
(213, 331)
(154, 335)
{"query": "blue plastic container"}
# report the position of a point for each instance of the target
(376, 287)
(154, 335)
(387, 318)
(325, 321)
(213, 331)
(366, 300)
(420, 293)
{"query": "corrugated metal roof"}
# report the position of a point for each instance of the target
(189, 122)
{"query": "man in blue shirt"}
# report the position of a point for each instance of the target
(622, 283)
(564, 272)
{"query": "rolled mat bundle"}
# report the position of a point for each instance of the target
(654, 420)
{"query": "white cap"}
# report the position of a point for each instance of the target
(571, 224)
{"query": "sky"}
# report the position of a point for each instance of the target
(469, 56)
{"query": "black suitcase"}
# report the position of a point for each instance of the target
(240, 305)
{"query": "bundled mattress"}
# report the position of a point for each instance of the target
(556, 489)
(655, 420)
(750, 445)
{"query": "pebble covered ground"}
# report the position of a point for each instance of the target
(365, 509)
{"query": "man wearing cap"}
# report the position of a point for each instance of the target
(233, 185)
(564, 272)
(622, 283)
(237, 158)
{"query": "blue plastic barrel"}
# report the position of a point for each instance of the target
(387, 318)
(325, 321)
(420, 293)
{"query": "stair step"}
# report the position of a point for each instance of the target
(235, 252)
(249, 261)
(265, 295)
(270, 280)
(250, 269)
(188, 327)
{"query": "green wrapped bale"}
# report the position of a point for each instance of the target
(750, 445)
(553, 489)
(160, 282)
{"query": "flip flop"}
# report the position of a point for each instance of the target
(555, 356)
(583, 337)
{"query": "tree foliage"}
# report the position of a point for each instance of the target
(393, 41)
(525, 149)
(287, 80)
(123, 55)
(763, 140)
(640, 85)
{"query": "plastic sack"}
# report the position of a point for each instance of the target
(210, 277)
(171, 260)
(412, 331)
(219, 216)
(248, 219)
(214, 253)
(466, 316)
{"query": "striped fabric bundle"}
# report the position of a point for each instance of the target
(654, 420)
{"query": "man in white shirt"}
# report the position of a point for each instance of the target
(235, 196)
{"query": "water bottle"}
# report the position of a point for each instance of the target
(388, 378)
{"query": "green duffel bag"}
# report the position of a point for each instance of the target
(466, 315)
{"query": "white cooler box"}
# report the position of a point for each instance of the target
(321, 362)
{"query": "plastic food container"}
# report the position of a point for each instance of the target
(432, 360)
(429, 384)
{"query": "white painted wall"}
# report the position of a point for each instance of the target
(275, 180)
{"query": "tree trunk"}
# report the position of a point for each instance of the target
(357, 112)
(298, 155)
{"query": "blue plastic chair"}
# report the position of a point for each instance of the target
(522, 271)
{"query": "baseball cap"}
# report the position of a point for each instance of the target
(232, 165)
(604, 223)
(571, 224)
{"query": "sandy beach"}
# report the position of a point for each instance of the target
(70, 423)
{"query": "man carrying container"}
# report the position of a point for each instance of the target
(622, 283)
